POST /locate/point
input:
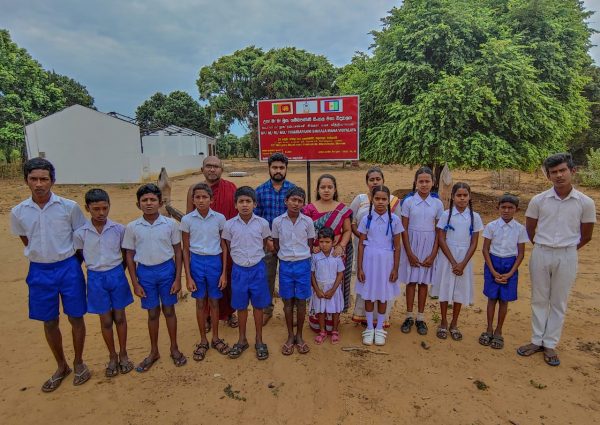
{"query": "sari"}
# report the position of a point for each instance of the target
(335, 220)
(360, 208)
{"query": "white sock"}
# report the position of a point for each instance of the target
(420, 317)
(409, 314)
(369, 315)
(380, 320)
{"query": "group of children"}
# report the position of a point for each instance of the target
(154, 249)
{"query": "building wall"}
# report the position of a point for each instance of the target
(87, 146)
(174, 164)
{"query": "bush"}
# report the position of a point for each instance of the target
(590, 176)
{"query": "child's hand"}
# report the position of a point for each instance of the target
(413, 260)
(329, 294)
(428, 262)
(320, 293)
(394, 276)
(270, 245)
(316, 249)
(138, 290)
(222, 281)
(360, 275)
(458, 269)
(176, 287)
(190, 284)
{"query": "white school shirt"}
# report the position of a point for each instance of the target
(293, 237)
(326, 267)
(460, 221)
(101, 251)
(376, 234)
(505, 237)
(152, 243)
(559, 220)
(49, 230)
(246, 240)
(205, 232)
(422, 213)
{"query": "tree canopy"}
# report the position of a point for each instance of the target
(473, 83)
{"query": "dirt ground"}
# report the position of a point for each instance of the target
(418, 379)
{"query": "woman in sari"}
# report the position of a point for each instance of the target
(327, 211)
(360, 208)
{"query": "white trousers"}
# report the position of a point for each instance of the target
(552, 272)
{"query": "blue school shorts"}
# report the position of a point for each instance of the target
(206, 271)
(250, 284)
(108, 290)
(500, 291)
(48, 281)
(294, 279)
(157, 281)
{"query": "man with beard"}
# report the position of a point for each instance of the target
(270, 203)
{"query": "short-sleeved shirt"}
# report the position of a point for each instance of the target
(422, 213)
(270, 203)
(101, 251)
(326, 267)
(379, 234)
(559, 220)
(152, 243)
(461, 223)
(293, 237)
(246, 240)
(505, 237)
(49, 230)
(205, 232)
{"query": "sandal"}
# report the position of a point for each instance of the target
(125, 366)
(421, 327)
(551, 358)
(442, 333)
(529, 349)
(303, 348)
(179, 360)
(335, 337)
(320, 338)
(200, 350)
(485, 338)
(146, 364)
(220, 345)
(53, 383)
(111, 370)
(237, 350)
(497, 342)
(262, 352)
(287, 350)
(82, 377)
(233, 322)
(407, 325)
(455, 334)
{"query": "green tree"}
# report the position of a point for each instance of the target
(74, 92)
(589, 138)
(234, 84)
(177, 108)
(472, 83)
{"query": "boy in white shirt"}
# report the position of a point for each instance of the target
(503, 251)
(45, 223)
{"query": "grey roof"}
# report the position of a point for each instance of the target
(173, 129)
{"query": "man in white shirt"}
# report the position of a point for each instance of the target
(559, 221)
(45, 223)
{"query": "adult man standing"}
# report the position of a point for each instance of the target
(270, 203)
(559, 221)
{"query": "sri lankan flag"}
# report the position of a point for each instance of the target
(331, 105)
(282, 108)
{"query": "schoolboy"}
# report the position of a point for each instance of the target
(205, 262)
(108, 292)
(503, 251)
(246, 235)
(45, 223)
(153, 242)
(293, 234)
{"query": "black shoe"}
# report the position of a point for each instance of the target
(421, 327)
(407, 325)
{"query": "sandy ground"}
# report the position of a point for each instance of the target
(408, 384)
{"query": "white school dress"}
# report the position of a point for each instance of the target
(448, 286)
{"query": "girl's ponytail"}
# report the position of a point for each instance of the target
(471, 213)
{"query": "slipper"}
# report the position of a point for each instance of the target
(287, 350)
(220, 345)
(551, 360)
(233, 321)
(529, 349)
(335, 337)
(303, 348)
(262, 352)
(321, 337)
(200, 350)
(455, 334)
(485, 338)
(111, 372)
(146, 364)
(442, 333)
(497, 342)
(53, 383)
(125, 366)
(180, 360)
(237, 350)
(82, 377)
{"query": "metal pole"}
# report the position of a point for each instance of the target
(308, 190)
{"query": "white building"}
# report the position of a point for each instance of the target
(87, 146)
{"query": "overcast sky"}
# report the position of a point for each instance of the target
(124, 51)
